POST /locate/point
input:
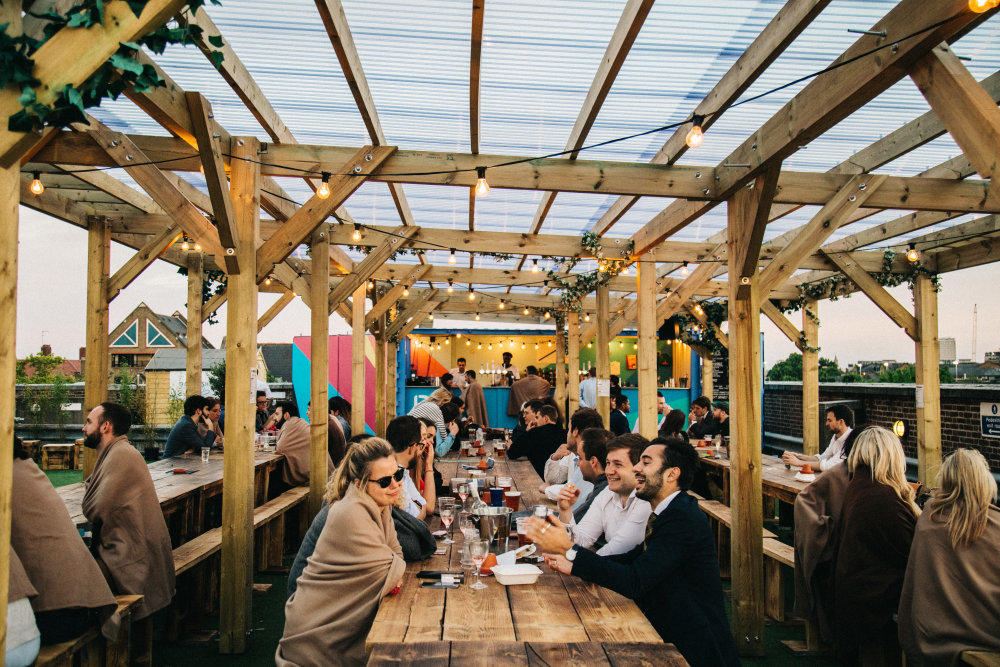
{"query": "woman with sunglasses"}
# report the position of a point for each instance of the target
(356, 563)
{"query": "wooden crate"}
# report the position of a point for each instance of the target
(33, 448)
(58, 457)
(78, 454)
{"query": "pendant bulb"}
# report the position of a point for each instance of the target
(912, 253)
(482, 187)
(357, 232)
(36, 184)
(324, 188)
(695, 136)
(451, 257)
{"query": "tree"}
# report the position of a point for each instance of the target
(828, 371)
(790, 370)
(217, 379)
(43, 368)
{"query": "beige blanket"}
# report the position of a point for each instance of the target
(951, 599)
(131, 542)
(817, 514)
(55, 557)
(293, 443)
(525, 389)
(18, 585)
(357, 561)
(475, 404)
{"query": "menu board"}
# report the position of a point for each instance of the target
(720, 376)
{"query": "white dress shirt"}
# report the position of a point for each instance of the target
(635, 429)
(414, 501)
(623, 526)
(458, 378)
(574, 476)
(588, 393)
(832, 455)
(665, 502)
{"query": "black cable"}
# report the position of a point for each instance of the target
(123, 166)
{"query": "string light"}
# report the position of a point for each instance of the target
(451, 257)
(912, 254)
(550, 343)
(36, 184)
(525, 311)
(500, 345)
(536, 346)
(472, 294)
(547, 314)
(534, 266)
(477, 318)
(586, 317)
(439, 346)
(468, 342)
(695, 135)
(267, 281)
(324, 188)
(357, 232)
(621, 344)
(406, 291)
(482, 187)
(451, 285)
(502, 305)
(431, 316)
(447, 341)
(522, 346)
(684, 269)
(490, 346)
(590, 345)
(458, 335)
(371, 284)
(197, 247)
(184, 244)
(980, 6)
(479, 347)
(698, 309)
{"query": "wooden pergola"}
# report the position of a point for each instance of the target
(249, 227)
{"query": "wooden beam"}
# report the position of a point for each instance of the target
(193, 365)
(415, 311)
(879, 296)
(967, 110)
(213, 305)
(390, 298)
(205, 131)
(358, 358)
(364, 269)
(603, 357)
(561, 377)
(784, 325)
(928, 381)
(297, 228)
(138, 262)
(764, 186)
(286, 298)
(811, 419)
(95, 368)
(745, 431)
(475, 58)
(793, 17)
(236, 580)
(319, 375)
(648, 325)
(573, 345)
(71, 55)
(819, 229)
(976, 252)
(381, 377)
(115, 188)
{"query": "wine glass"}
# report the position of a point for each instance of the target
(447, 516)
(478, 550)
(469, 529)
(463, 492)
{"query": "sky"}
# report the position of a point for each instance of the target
(52, 278)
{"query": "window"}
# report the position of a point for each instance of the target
(123, 360)
(154, 338)
(128, 338)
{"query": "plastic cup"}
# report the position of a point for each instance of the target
(205, 451)
(513, 500)
(496, 497)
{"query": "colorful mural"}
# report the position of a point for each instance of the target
(339, 372)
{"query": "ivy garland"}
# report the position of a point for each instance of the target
(575, 288)
(693, 331)
(122, 70)
(213, 283)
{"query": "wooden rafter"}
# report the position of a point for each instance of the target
(784, 325)
(138, 263)
(389, 299)
(878, 294)
(412, 315)
(364, 269)
(475, 59)
(272, 312)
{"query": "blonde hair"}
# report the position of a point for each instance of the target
(441, 396)
(963, 498)
(880, 450)
(356, 465)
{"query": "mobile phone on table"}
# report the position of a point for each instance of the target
(436, 574)
(438, 584)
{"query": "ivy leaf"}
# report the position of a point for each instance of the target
(131, 45)
(215, 40)
(79, 20)
(28, 96)
(126, 63)
(216, 57)
(136, 6)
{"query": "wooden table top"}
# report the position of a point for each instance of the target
(776, 480)
(558, 608)
(170, 487)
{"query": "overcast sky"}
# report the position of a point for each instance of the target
(52, 275)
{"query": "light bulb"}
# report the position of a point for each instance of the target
(431, 316)
(439, 346)
(406, 291)
(324, 188)
(522, 346)
(500, 345)
(590, 345)
(624, 270)
(634, 346)
(695, 135)
(36, 184)
(371, 284)
(621, 345)
(482, 187)
(477, 317)
(550, 343)
(447, 341)
(490, 346)
(451, 257)
(536, 346)
(458, 335)
(525, 311)
(357, 232)
(912, 254)
(472, 294)
(684, 269)
(451, 286)
(501, 304)
(197, 247)
(418, 343)
(980, 6)
(534, 266)
(586, 318)
(547, 314)
(479, 347)
(468, 342)
(267, 281)
(185, 245)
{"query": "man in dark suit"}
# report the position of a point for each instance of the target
(674, 574)
(541, 439)
(619, 422)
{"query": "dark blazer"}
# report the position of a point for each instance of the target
(675, 582)
(619, 423)
(184, 437)
(537, 444)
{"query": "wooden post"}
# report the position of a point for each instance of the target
(928, 381)
(241, 356)
(10, 196)
(648, 325)
(810, 380)
(573, 334)
(358, 360)
(746, 553)
(95, 371)
(381, 390)
(603, 354)
(391, 388)
(560, 393)
(707, 388)
(319, 290)
(195, 264)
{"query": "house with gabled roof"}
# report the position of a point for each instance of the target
(141, 334)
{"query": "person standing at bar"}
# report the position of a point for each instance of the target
(475, 400)
(508, 371)
(529, 387)
(588, 389)
(458, 379)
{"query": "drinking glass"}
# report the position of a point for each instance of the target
(205, 451)
(467, 526)
(522, 531)
(446, 510)
(478, 550)
(463, 492)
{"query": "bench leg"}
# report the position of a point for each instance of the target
(142, 642)
(774, 590)
(722, 540)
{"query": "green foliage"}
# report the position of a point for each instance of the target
(790, 370)
(217, 379)
(694, 332)
(851, 378)
(906, 374)
(175, 406)
(44, 403)
(828, 371)
(44, 367)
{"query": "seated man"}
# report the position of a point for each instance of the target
(619, 408)
(405, 435)
(616, 520)
(563, 466)
(541, 439)
(840, 422)
(702, 424)
(72, 593)
(131, 542)
(192, 431)
(662, 410)
(674, 575)
(592, 443)
(721, 416)
(293, 442)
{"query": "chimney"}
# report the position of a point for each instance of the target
(83, 353)
(46, 350)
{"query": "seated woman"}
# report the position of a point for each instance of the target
(357, 562)
(877, 524)
(673, 425)
(951, 594)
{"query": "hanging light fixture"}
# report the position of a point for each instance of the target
(525, 311)
(550, 343)
(267, 281)
(912, 253)
(477, 317)
(482, 187)
(479, 347)
(431, 316)
(447, 341)
(536, 346)
(36, 184)
(590, 345)
(695, 136)
(357, 232)
(451, 285)
(684, 269)
(586, 317)
(458, 335)
(451, 257)
(197, 247)
(468, 342)
(406, 291)
(472, 293)
(184, 244)
(534, 265)
(502, 305)
(490, 346)
(547, 314)
(522, 346)
(324, 188)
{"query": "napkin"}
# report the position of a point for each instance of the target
(510, 557)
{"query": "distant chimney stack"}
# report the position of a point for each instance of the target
(83, 353)
(46, 350)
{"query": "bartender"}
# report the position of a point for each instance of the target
(508, 371)
(458, 379)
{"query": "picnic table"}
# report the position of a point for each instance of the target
(187, 500)
(560, 616)
(777, 481)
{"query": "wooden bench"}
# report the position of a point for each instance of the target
(981, 658)
(33, 448)
(721, 517)
(91, 648)
(59, 457)
(776, 554)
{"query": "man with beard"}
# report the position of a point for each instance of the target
(131, 542)
(293, 443)
(674, 575)
(192, 431)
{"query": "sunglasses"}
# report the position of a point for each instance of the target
(384, 482)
